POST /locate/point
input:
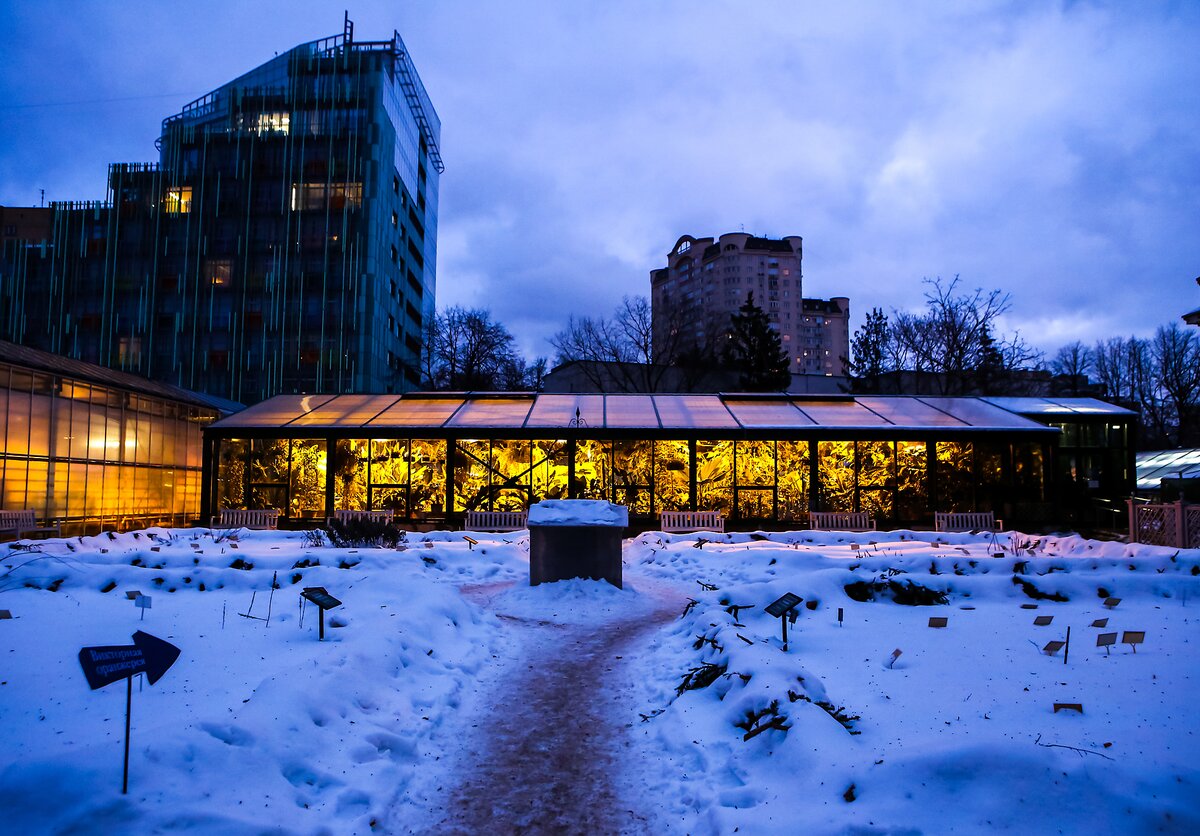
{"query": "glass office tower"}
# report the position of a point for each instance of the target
(284, 242)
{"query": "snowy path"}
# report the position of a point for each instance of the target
(552, 753)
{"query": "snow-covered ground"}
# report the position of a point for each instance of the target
(449, 696)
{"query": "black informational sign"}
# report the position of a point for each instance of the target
(780, 609)
(787, 602)
(321, 597)
(324, 601)
(105, 665)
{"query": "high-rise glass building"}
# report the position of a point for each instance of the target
(284, 242)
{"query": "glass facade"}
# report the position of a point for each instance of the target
(284, 241)
(99, 456)
(422, 453)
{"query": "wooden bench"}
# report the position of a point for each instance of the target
(681, 522)
(344, 517)
(20, 523)
(966, 521)
(242, 518)
(496, 520)
(840, 521)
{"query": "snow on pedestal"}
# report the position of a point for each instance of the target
(576, 538)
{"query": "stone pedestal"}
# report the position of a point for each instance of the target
(576, 539)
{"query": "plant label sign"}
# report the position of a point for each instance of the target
(780, 608)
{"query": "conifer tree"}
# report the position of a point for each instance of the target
(755, 351)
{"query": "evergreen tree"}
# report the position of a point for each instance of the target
(755, 351)
(869, 352)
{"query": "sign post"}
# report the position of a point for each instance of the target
(781, 609)
(106, 664)
(324, 601)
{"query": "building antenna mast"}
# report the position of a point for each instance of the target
(348, 27)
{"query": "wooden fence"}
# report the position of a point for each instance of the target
(1173, 524)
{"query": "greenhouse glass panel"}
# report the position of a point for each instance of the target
(492, 413)
(593, 466)
(910, 412)
(416, 412)
(793, 479)
(276, 412)
(635, 411)
(268, 463)
(765, 413)
(956, 481)
(912, 479)
(840, 413)
(345, 411)
(549, 475)
(231, 473)
(755, 464)
(877, 478)
(672, 476)
(472, 468)
(560, 411)
(835, 475)
(714, 476)
(308, 478)
(693, 412)
(632, 475)
(1029, 471)
(350, 474)
(427, 469)
(511, 474)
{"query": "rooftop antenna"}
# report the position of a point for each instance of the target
(43, 203)
(348, 27)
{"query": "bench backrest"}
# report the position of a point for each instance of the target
(377, 516)
(243, 518)
(496, 520)
(964, 521)
(18, 519)
(678, 521)
(841, 521)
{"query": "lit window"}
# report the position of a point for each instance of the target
(268, 123)
(220, 270)
(179, 200)
(316, 195)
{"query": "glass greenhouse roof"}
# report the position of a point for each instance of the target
(1153, 467)
(1065, 407)
(448, 412)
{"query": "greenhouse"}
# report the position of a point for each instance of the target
(761, 460)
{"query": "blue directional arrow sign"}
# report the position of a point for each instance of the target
(105, 665)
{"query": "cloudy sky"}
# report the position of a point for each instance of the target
(1048, 149)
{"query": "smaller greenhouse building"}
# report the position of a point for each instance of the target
(763, 460)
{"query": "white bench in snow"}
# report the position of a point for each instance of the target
(967, 521)
(496, 520)
(840, 521)
(20, 523)
(384, 517)
(682, 522)
(243, 518)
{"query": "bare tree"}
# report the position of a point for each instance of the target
(1176, 355)
(954, 338)
(621, 352)
(1073, 361)
(1111, 358)
(466, 350)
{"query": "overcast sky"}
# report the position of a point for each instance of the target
(1048, 149)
